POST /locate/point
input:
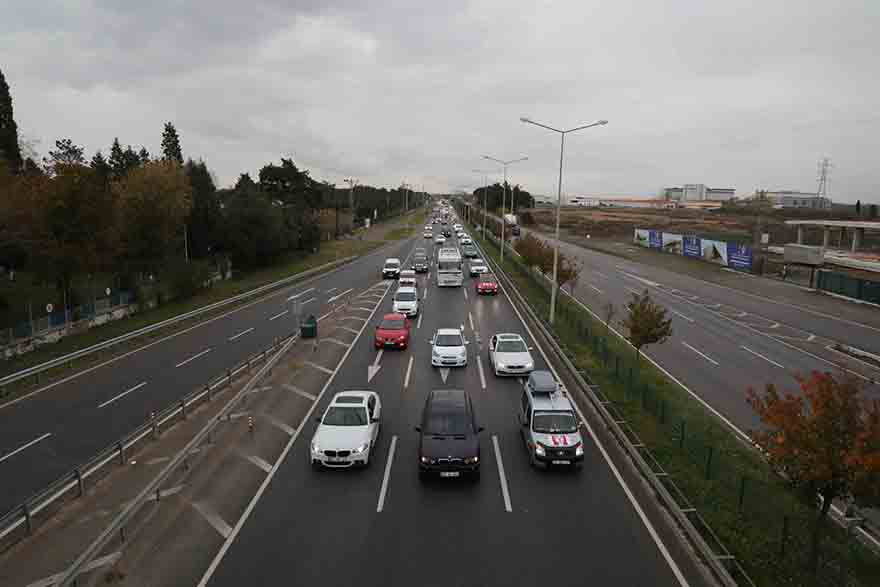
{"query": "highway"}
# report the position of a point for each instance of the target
(383, 526)
(66, 423)
(725, 340)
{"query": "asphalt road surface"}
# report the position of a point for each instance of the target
(48, 434)
(383, 526)
(724, 340)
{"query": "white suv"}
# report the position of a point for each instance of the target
(448, 348)
(391, 268)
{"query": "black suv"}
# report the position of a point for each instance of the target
(449, 437)
(420, 264)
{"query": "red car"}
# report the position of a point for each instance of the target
(392, 332)
(486, 284)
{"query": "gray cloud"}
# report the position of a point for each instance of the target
(746, 94)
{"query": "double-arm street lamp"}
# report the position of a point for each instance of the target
(504, 196)
(562, 134)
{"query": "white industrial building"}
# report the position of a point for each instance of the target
(794, 199)
(698, 192)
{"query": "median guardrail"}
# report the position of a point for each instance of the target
(37, 369)
(21, 520)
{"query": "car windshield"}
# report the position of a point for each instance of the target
(486, 278)
(554, 422)
(421, 258)
(345, 416)
(392, 264)
(392, 324)
(510, 346)
(448, 340)
(446, 423)
(477, 263)
(405, 296)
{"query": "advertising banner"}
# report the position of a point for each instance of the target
(655, 239)
(739, 256)
(691, 247)
(672, 243)
(714, 251)
(641, 237)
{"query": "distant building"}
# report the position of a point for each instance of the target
(543, 200)
(698, 192)
(613, 202)
(794, 199)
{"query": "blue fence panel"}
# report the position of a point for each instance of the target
(56, 319)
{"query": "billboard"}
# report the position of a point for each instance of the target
(739, 256)
(714, 251)
(671, 243)
(641, 237)
(691, 247)
(655, 239)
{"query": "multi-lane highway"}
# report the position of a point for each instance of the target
(383, 526)
(726, 340)
(50, 432)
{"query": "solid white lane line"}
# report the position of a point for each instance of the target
(302, 293)
(771, 361)
(689, 319)
(192, 358)
(425, 297)
(501, 475)
(337, 296)
(278, 315)
(213, 518)
(419, 323)
(298, 391)
(24, 446)
(240, 334)
(408, 370)
(464, 289)
(381, 505)
(710, 359)
(482, 375)
(597, 289)
(318, 367)
(471, 320)
(122, 395)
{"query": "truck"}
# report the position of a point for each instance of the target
(510, 220)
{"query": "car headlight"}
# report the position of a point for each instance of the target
(501, 365)
(530, 365)
(579, 449)
(539, 450)
(315, 448)
(471, 460)
(426, 460)
(434, 352)
(361, 448)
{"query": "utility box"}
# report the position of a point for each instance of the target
(309, 327)
(804, 254)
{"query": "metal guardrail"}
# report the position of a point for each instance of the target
(35, 370)
(22, 516)
(686, 516)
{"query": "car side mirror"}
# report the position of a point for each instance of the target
(531, 348)
(480, 429)
(417, 428)
(374, 420)
(318, 419)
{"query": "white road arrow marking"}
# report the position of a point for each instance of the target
(374, 368)
(444, 373)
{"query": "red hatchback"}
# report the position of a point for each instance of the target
(486, 284)
(393, 332)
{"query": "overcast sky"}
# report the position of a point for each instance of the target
(731, 94)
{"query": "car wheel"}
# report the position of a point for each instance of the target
(423, 476)
(533, 461)
(475, 476)
(316, 466)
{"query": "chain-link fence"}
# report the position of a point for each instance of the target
(750, 508)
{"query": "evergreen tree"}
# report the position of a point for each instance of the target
(144, 155)
(10, 152)
(205, 218)
(171, 144)
(65, 153)
(130, 159)
(100, 166)
(117, 159)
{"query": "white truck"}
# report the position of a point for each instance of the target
(449, 272)
(511, 221)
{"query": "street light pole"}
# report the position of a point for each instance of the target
(485, 175)
(554, 286)
(504, 195)
(351, 185)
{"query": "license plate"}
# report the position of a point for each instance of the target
(335, 460)
(449, 473)
(561, 462)
(389, 344)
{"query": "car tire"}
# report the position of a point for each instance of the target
(423, 476)
(533, 461)
(316, 466)
(475, 476)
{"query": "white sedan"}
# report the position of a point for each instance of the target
(439, 239)
(509, 355)
(347, 431)
(448, 348)
(478, 267)
(466, 240)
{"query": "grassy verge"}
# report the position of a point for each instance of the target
(330, 251)
(752, 512)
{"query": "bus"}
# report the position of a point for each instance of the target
(449, 272)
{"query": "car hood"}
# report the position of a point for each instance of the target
(561, 440)
(449, 446)
(450, 351)
(341, 437)
(387, 333)
(513, 358)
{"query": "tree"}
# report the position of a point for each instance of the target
(858, 207)
(130, 159)
(872, 211)
(567, 270)
(825, 439)
(155, 201)
(255, 232)
(171, 144)
(144, 155)
(100, 166)
(205, 220)
(65, 153)
(646, 322)
(10, 152)
(117, 160)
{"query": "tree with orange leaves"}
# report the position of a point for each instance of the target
(825, 440)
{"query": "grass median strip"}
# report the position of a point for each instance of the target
(753, 513)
